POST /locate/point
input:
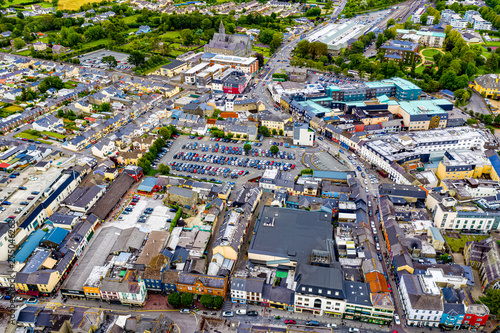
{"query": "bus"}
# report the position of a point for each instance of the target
(278, 79)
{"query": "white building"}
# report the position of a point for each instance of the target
(421, 301)
(302, 136)
(481, 24)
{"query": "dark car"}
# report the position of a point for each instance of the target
(173, 210)
(22, 188)
(35, 192)
(252, 313)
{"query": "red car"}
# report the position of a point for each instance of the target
(200, 137)
(290, 321)
(24, 139)
(132, 204)
(292, 167)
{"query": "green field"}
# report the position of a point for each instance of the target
(26, 135)
(419, 69)
(486, 54)
(263, 50)
(172, 34)
(494, 44)
(429, 53)
(458, 245)
(13, 108)
(130, 19)
(55, 135)
(96, 42)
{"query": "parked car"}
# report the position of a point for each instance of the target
(241, 312)
(252, 313)
(31, 300)
(185, 311)
(290, 321)
(397, 320)
(312, 323)
(227, 314)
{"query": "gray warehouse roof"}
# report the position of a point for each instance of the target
(291, 233)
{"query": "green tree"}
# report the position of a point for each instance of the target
(302, 49)
(260, 59)
(207, 301)
(264, 131)
(136, 58)
(274, 149)
(276, 41)
(174, 299)
(281, 132)
(266, 36)
(423, 19)
(218, 301)
(328, 4)
(318, 49)
(110, 61)
(472, 121)
(380, 40)
(497, 119)
(488, 119)
(105, 107)
(50, 82)
(187, 299)
(187, 37)
(55, 3)
(247, 147)
(391, 22)
(206, 24)
(18, 43)
(163, 169)
(165, 133)
(492, 301)
(315, 11)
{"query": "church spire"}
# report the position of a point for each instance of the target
(222, 30)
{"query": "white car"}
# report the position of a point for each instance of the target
(332, 325)
(241, 312)
(396, 319)
(227, 314)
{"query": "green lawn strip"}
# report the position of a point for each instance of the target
(429, 53)
(55, 135)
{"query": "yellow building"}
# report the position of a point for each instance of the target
(275, 122)
(174, 68)
(487, 84)
(463, 165)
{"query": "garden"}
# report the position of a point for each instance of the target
(457, 241)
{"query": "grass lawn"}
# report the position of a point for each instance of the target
(458, 245)
(130, 19)
(24, 53)
(17, 2)
(96, 42)
(263, 50)
(492, 44)
(55, 135)
(13, 108)
(429, 53)
(26, 135)
(419, 69)
(172, 34)
(154, 69)
(486, 54)
(73, 4)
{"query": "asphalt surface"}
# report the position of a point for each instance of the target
(254, 172)
(477, 104)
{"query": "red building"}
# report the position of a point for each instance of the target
(476, 315)
(134, 171)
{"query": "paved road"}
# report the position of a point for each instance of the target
(477, 104)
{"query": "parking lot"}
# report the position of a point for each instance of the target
(232, 165)
(331, 79)
(23, 191)
(94, 59)
(132, 214)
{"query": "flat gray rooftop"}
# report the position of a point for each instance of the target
(291, 233)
